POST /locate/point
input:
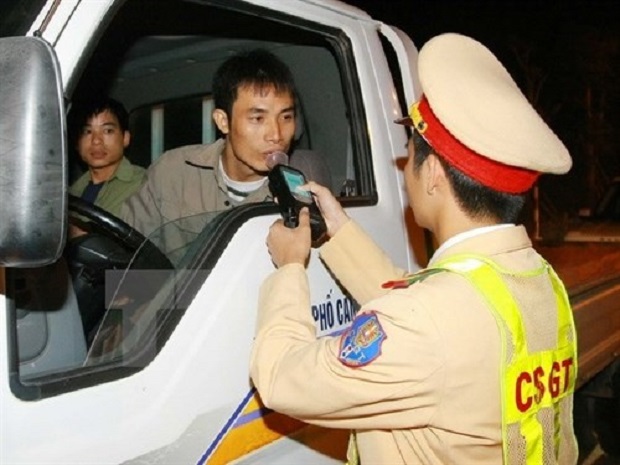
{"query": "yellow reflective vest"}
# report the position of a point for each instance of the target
(531, 380)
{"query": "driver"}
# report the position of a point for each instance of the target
(254, 95)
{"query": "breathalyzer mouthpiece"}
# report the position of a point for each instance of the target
(276, 158)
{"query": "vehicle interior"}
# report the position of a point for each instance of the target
(158, 59)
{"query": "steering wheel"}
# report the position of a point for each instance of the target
(116, 229)
(110, 244)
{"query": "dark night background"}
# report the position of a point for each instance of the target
(565, 56)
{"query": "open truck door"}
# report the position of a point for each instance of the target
(165, 378)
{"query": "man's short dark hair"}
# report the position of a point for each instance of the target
(477, 200)
(258, 68)
(83, 110)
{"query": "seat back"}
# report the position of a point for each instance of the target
(313, 165)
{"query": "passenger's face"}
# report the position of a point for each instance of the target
(102, 142)
(261, 122)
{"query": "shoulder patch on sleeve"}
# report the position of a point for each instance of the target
(361, 343)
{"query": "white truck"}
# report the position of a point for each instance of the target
(173, 387)
(165, 379)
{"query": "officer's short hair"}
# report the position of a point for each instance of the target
(477, 200)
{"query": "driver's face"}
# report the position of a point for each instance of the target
(102, 142)
(262, 121)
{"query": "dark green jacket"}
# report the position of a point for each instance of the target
(125, 181)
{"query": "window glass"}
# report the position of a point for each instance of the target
(140, 150)
(167, 125)
(141, 298)
(182, 122)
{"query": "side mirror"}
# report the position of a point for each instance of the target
(33, 154)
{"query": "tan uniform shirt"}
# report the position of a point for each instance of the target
(432, 395)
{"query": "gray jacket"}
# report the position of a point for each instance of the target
(183, 183)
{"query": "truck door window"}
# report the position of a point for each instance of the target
(161, 69)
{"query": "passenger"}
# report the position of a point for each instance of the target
(470, 361)
(254, 97)
(102, 136)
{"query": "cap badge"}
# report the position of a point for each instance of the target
(416, 117)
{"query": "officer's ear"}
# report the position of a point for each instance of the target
(220, 118)
(435, 176)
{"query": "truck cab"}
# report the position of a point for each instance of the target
(164, 378)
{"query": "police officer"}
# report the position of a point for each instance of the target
(469, 361)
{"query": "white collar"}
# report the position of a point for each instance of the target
(467, 235)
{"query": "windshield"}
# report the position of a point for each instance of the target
(16, 16)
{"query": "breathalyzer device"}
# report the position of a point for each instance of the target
(284, 182)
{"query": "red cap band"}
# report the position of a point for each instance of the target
(490, 173)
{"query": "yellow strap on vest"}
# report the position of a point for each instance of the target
(529, 382)
(353, 457)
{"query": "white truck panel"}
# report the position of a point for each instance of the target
(173, 409)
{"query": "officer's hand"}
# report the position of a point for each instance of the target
(287, 245)
(333, 213)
